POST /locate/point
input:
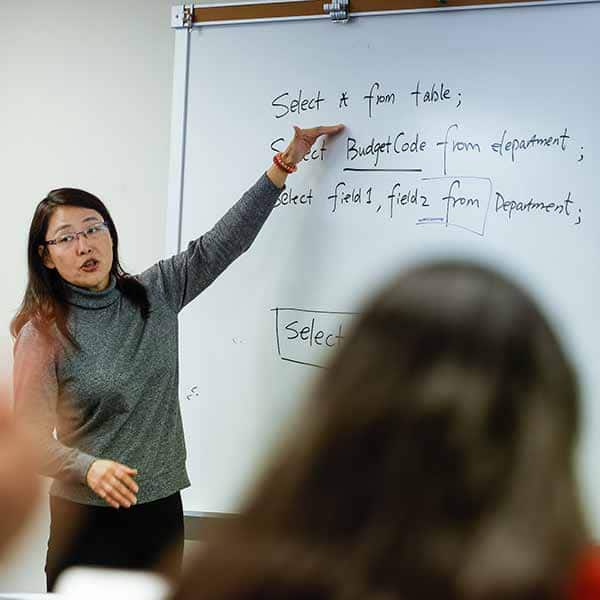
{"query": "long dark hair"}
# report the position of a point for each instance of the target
(45, 302)
(434, 460)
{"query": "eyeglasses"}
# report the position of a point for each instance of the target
(68, 239)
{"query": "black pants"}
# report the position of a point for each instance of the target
(146, 536)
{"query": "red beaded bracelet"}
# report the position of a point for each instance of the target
(283, 165)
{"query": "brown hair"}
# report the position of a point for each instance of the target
(44, 301)
(434, 460)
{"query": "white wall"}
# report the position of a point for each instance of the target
(85, 101)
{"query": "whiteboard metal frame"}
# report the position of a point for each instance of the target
(194, 520)
(181, 72)
(326, 16)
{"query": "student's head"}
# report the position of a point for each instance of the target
(19, 487)
(72, 240)
(434, 460)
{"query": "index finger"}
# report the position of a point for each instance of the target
(325, 130)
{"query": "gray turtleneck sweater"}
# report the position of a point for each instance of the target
(117, 397)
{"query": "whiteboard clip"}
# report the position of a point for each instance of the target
(182, 16)
(188, 16)
(338, 10)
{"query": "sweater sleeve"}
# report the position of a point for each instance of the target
(183, 276)
(36, 398)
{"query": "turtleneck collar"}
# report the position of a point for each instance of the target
(88, 299)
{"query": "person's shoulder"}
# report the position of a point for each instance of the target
(31, 331)
(154, 279)
(36, 335)
(147, 276)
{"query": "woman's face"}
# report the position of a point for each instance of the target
(85, 260)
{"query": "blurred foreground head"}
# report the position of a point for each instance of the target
(18, 482)
(434, 460)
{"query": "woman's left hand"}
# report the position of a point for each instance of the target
(304, 139)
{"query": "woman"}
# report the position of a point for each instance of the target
(434, 460)
(96, 356)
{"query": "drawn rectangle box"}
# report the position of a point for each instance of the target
(309, 337)
(458, 201)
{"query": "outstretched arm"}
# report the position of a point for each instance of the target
(183, 276)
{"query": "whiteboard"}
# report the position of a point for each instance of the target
(469, 133)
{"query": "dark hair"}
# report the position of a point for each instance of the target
(44, 302)
(434, 460)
